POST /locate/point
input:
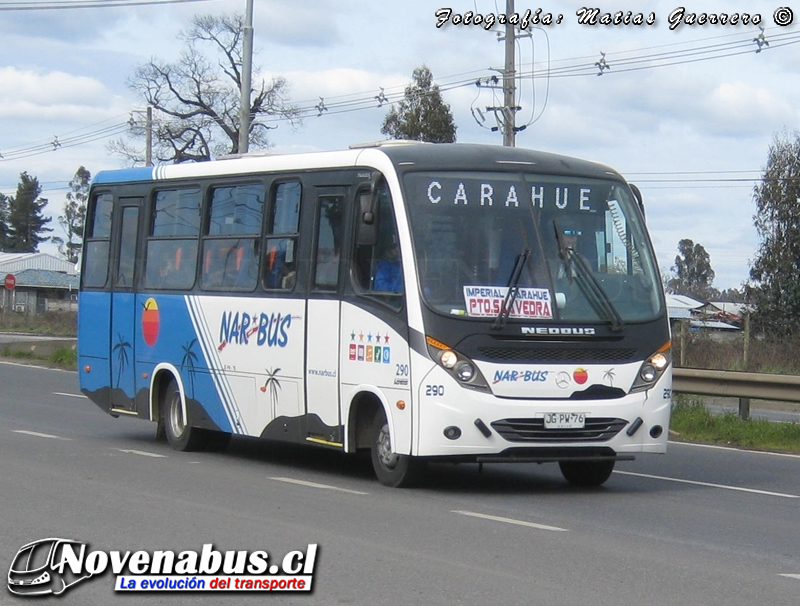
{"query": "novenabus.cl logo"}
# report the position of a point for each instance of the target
(38, 568)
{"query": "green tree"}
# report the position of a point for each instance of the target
(774, 286)
(422, 115)
(26, 224)
(4, 203)
(72, 221)
(692, 273)
(197, 98)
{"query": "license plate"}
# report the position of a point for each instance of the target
(564, 420)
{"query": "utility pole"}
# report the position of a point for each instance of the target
(247, 67)
(509, 83)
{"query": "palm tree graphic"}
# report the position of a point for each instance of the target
(188, 361)
(274, 385)
(121, 349)
(609, 374)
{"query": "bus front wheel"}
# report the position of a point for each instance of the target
(586, 473)
(392, 469)
(177, 426)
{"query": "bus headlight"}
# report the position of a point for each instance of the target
(465, 371)
(653, 367)
(448, 358)
(458, 365)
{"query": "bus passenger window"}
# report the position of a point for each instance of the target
(329, 239)
(280, 268)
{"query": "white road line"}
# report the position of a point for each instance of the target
(742, 450)
(39, 435)
(69, 395)
(790, 576)
(315, 485)
(142, 453)
(510, 521)
(710, 485)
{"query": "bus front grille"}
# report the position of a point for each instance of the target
(596, 429)
(573, 355)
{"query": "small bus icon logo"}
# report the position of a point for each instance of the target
(37, 568)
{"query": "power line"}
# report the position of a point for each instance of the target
(373, 99)
(34, 5)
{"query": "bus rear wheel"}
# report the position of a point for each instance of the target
(586, 473)
(391, 469)
(177, 426)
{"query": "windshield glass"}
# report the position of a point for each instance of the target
(563, 248)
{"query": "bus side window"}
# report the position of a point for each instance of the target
(98, 242)
(329, 242)
(280, 264)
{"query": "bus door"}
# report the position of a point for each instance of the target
(123, 304)
(322, 317)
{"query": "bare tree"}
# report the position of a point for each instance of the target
(197, 98)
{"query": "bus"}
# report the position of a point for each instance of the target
(421, 302)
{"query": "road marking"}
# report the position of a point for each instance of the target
(69, 395)
(743, 450)
(39, 435)
(710, 485)
(142, 453)
(315, 485)
(510, 521)
(790, 576)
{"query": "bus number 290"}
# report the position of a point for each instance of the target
(434, 390)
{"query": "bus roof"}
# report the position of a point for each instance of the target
(406, 157)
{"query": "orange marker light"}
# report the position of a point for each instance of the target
(401, 405)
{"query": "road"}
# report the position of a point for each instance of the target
(700, 525)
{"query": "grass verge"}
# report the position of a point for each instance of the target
(693, 422)
(63, 357)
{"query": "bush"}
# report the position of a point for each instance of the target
(52, 323)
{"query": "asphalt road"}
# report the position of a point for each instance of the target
(700, 525)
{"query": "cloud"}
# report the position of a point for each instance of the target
(28, 94)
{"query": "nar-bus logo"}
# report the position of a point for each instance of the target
(50, 566)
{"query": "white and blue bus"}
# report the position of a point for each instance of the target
(453, 303)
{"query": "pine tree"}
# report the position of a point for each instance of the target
(26, 224)
(422, 115)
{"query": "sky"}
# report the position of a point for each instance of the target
(686, 111)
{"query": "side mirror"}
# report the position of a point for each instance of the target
(368, 210)
(638, 195)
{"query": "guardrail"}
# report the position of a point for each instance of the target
(742, 385)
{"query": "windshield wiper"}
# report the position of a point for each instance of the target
(593, 290)
(513, 290)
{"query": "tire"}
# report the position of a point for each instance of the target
(179, 431)
(391, 469)
(586, 473)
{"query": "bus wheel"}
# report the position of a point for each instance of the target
(586, 473)
(392, 469)
(180, 433)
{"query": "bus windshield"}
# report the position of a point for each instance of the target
(505, 246)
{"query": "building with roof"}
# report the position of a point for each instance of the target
(42, 283)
